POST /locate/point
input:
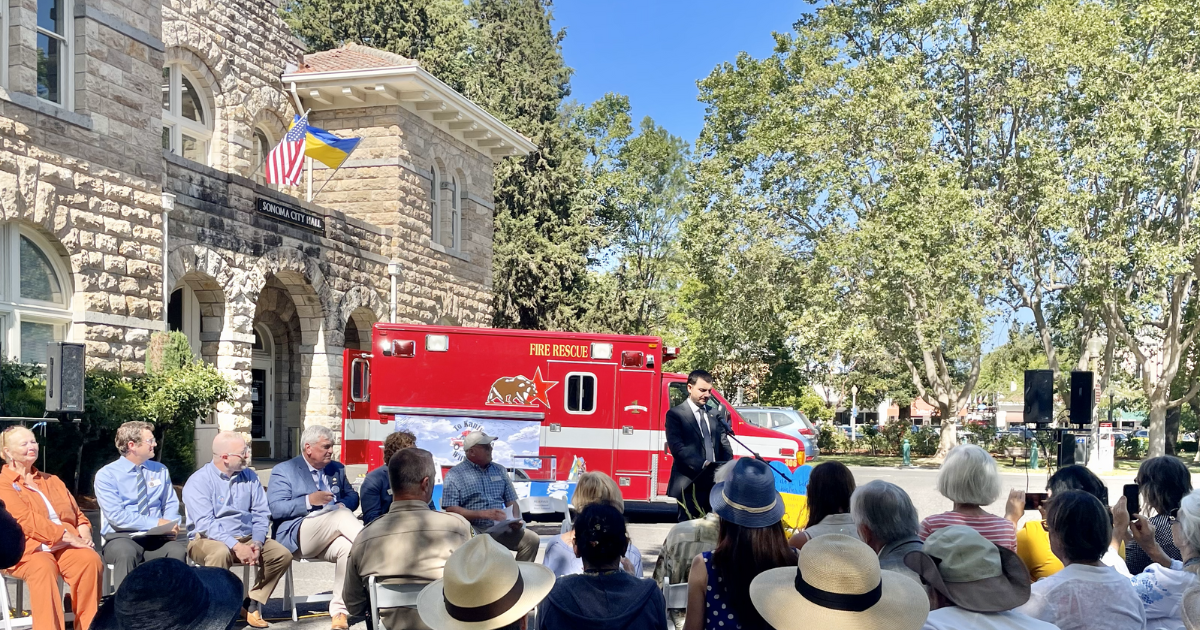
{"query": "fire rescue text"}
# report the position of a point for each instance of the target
(558, 350)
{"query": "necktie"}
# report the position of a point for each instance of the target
(143, 499)
(317, 478)
(709, 454)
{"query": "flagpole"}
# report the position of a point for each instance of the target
(309, 178)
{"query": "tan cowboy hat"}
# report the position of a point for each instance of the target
(971, 571)
(1190, 610)
(838, 584)
(483, 588)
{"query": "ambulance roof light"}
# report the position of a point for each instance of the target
(670, 353)
(437, 343)
(602, 351)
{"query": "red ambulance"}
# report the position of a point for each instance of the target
(563, 402)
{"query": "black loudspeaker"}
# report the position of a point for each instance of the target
(1083, 397)
(65, 363)
(1039, 396)
(1073, 448)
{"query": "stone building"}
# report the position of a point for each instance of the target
(132, 198)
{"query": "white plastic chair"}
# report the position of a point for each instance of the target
(676, 596)
(547, 505)
(390, 596)
(24, 622)
(290, 599)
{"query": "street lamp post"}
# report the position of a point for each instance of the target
(853, 411)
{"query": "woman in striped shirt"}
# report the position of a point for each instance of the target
(970, 478)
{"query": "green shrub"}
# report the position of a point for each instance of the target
(832, 440)
(924, 441)
(1132, 448)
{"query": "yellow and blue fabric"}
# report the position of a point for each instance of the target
(327, 148)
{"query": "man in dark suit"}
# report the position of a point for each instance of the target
(312, 510)
(699, 442)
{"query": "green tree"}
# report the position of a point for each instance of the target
(1005, 365)
(637, 186)
(437, 33)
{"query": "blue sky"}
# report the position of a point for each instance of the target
(654, 51)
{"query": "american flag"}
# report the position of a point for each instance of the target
(286, 160)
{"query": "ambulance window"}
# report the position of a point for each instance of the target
(360, 380)
(581, 393)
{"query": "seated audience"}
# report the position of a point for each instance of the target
(1163, 482)
(592, 487)
(312, 510)
(166, 594)
(484, 588)
(603, 596)
(12, 539)
(1086, 594)
(135, 495)
(1033, 542)
(684, 542)
(228, 518)
(837, 584)
(58, 537)
(828, 496)
(973, 582)
(970, 478)
(375, 493)
(751, 540)
(887, 522)
(408, 544)
(480, 490)
(1162, 584)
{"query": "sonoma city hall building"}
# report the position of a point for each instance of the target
(132, 198)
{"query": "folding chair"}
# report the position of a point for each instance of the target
(290, 599)
(676, 596)
(390, 596)
(24, 622)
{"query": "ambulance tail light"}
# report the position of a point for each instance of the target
(670, 353)
(402, 348)
(787, 452)
(602, 351)
(632, 359)
(437, 343)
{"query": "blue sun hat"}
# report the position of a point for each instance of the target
(748, 497)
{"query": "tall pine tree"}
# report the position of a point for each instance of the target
(544, 233)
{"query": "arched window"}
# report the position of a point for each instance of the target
(35, 294)
(187, 125)
(258, 155)
(435, 204)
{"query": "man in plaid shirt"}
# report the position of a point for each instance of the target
(480, 490)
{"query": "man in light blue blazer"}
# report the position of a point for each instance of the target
(312, 510)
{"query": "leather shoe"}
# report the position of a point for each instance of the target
(254, 619)
(339, 622)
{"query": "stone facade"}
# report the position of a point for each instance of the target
(270, 303)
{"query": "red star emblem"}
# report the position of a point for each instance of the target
(543, 388)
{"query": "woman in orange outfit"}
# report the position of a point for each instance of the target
(58, 536)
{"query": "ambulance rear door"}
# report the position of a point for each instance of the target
(581, 417)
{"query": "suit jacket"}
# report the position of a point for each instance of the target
(687, 445)
(290, 485)
(29, 510)
(376, 494)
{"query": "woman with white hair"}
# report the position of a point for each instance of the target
(1161, 585)
(970, 478)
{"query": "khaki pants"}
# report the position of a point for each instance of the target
(329, 537)
(273, 561)
(522, 541)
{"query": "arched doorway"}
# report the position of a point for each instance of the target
(358, 329)
(262, 393)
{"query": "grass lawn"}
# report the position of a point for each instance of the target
(1122, 466)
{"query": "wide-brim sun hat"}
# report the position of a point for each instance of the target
(483, 587)
(837, 583)
(748, 496)
(971, 571)
(166, 594)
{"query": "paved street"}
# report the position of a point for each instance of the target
(313, 578)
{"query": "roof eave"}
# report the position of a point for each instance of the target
(420, 92)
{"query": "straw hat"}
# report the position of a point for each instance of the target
(971, 571)
(838, 584)
(483, 588)
(748, 496)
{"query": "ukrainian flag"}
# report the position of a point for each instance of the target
(327, 148)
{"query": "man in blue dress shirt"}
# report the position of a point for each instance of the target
(228, 517)
(135, 495)
(312, 511)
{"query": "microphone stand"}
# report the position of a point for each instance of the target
(729, 431)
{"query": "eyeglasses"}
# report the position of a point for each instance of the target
(242, 454)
